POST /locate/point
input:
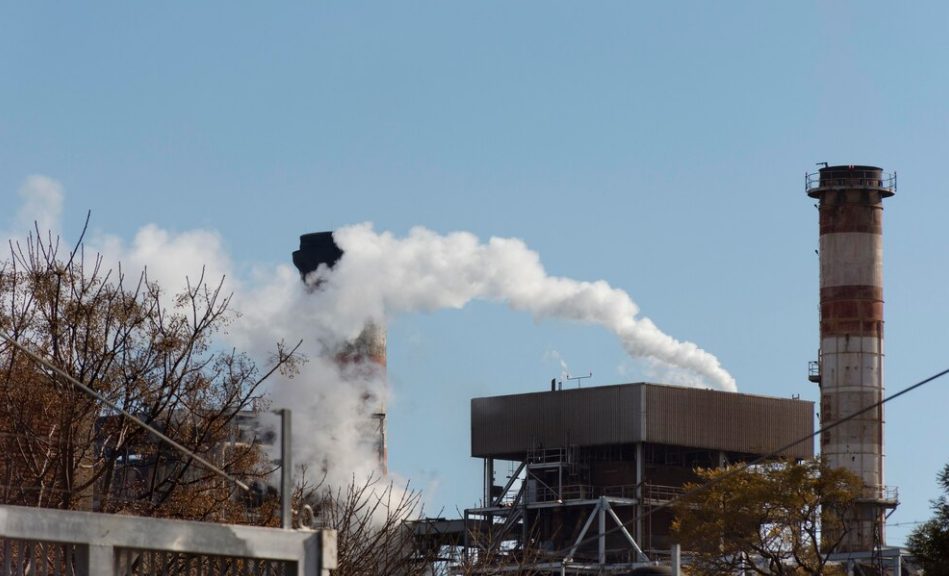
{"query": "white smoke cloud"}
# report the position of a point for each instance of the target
(168, 258)
(554, 356)
(41, 202)
(333, 429)
(379, 277)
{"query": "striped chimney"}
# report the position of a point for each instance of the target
(851, 336)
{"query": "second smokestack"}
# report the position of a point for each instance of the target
(366, 355)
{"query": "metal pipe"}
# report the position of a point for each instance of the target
(583, 532)
(640, 555)
(510, 482)
(602, 527)
(465, 540)
(488, 481)
(640, 507)
(286, 469)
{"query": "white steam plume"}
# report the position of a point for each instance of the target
(333, 432)
(171, 259)
(380, 275)
(555, 356)
(41, 203)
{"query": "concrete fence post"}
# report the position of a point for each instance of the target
(95, 560)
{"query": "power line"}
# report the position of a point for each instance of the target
(76, 383)
(761, 459)
(911, 523)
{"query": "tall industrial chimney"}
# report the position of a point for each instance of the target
(850, 366)
(366, 355)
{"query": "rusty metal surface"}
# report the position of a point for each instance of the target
(840, 214)
(508, 426)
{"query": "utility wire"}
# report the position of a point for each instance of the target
(741, 468)
(913, 523)
(76, 383)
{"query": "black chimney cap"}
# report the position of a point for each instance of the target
(316, 248)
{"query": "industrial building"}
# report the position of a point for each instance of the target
(589, 460)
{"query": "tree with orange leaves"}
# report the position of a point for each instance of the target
(61, 448)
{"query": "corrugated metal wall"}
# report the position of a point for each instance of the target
(506, 426)
(726, 421)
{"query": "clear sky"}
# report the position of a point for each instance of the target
(658, 146)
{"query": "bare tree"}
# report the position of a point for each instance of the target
(63, 449)
(380, 531)
(373, 519)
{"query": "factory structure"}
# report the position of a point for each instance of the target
(580, 480)
(597, 467)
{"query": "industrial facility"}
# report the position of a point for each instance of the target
(590, 471)
(591, 460)
(579, 480)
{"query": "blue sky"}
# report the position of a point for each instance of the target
(659, 147)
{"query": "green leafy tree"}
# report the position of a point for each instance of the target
(930, 541)
(765, 519)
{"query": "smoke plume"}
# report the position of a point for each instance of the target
(41, 205)
(379, 277)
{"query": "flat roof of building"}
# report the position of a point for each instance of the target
(509, 426)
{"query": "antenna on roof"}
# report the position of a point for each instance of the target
(578, 378)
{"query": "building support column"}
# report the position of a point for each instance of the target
(640, 507)
(488, 481)
(602, 529)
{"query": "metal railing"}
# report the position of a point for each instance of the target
(624, 491)
(654, 492)
(885, 494)
(69, 543)
(813, 370)
(20, 557)
(860, 179)
(546, 455)
(567, 492)
(661, 493)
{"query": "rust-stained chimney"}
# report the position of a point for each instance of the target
(850, 370)
(368, 351)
